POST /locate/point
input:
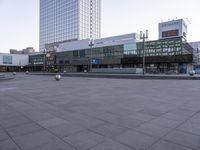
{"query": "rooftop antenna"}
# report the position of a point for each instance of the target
(188, 21)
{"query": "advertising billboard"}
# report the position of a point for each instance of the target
(7, 59)
(170, 33)
(174, 28)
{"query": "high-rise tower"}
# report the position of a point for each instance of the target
(63, 20)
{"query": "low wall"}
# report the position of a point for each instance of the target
(2, 76)
(119, 70)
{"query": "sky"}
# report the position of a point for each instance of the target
(19, 19)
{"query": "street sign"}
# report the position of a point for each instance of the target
(94, 61)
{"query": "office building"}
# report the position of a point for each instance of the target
(69, 20)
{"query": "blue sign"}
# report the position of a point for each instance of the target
(94, 61)
(7, 59)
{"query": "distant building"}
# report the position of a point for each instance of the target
(15, 51)
(196, 55)
(28, 50)
(13, 62)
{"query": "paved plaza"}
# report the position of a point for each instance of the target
(39, 113)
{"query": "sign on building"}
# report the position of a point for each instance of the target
(7, 59)
(174, 28)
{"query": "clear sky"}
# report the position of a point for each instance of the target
(19, 19)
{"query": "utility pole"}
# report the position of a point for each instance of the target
(44, 66)
(91, 43)
(143, 36)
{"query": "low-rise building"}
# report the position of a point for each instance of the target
(13, 62)
(196, 55)
(171, 53)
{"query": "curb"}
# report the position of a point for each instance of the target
(118, 76)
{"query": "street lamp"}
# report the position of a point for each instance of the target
(44, 60)
(143, 36)
(91, 44)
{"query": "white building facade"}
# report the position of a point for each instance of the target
(13, 60)
(132, 38)
(69, 20)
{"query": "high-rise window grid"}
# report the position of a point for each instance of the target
(62, 20)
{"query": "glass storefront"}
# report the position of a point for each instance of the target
(161, 55)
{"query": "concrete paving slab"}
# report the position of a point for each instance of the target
(8, 145)
(84, 140)
(52, 122)
(164, 145)
(164, 122)
(109, 130)
(14, 121)
(55, 145)
(136, 140)
(66, 129)
(33, 140)
(3, 135)
(190, 127)
(185, 139)
(23, 129)
(153, 130)
(111, 145)
(37, 112)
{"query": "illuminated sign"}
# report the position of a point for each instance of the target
(7, 59)
(170, 33)
(170, 24)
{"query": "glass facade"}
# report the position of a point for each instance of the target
(162, 56)
(157, 49)
(103, 53)
(37, 59)
(164, 47)
(63, 20)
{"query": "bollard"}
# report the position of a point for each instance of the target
(58, 77)
(192, 73)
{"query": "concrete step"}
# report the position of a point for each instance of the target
(4, 77)
(125, 76)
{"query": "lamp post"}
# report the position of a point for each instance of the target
(91, 44)
(143, 36)
(44, 60)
